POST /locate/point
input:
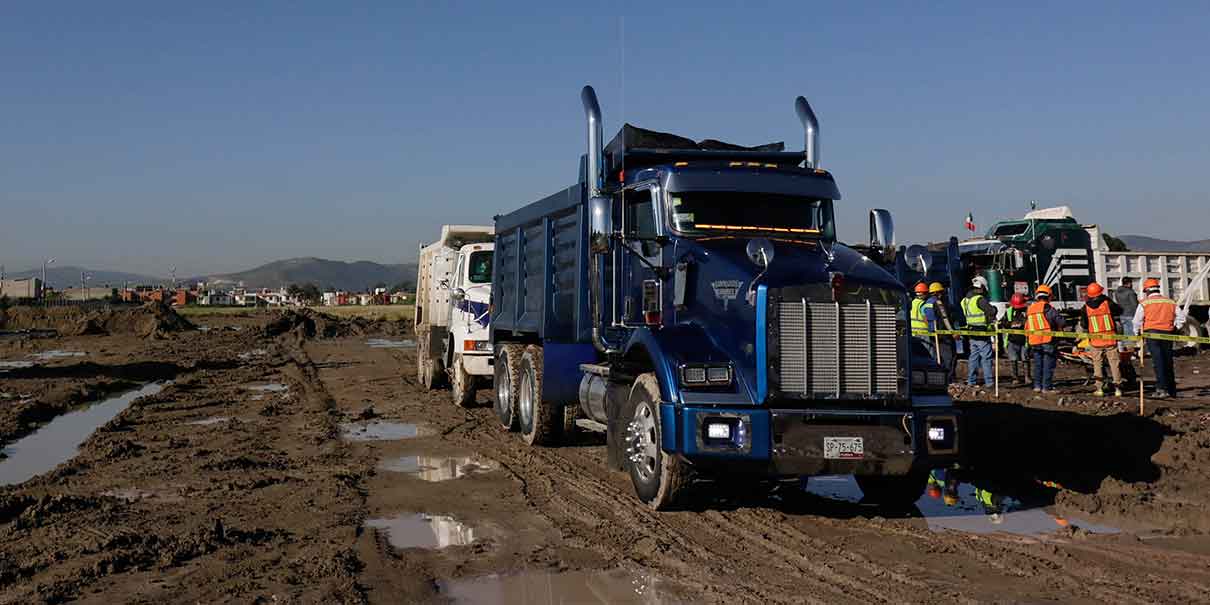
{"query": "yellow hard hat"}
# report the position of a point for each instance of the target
(950, 499)
(936, 287)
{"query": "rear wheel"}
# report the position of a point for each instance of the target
(541, 421)
(507, 376)
(897, 491)
(463, 385)
(1192, 327)
(659, 478)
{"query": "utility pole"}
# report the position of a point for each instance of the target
(44, 263)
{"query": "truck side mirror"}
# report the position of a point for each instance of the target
(600, 224)
(457, 294)
(882, 229)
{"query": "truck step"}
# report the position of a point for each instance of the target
(595, 369)
(591, 425)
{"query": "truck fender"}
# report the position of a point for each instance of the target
(665, 349)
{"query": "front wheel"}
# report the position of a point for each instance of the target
(463, 385)
(659, 478)
(896, 491)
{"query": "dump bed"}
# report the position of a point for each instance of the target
(540, 278)
(1175, 270)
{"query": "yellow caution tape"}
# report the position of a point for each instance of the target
(1053, 334)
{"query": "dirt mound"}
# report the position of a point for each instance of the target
(151, 320)
(308, 323)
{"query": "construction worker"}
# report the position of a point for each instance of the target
(1015, 345)
(1041, 317)
(980, 316)
(1158, 314)
(1099, 319)
(920, 324)
(1128, 300)
(938, 315)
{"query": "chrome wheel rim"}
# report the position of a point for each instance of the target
(503, 393)
(641, 448)
(526, 399)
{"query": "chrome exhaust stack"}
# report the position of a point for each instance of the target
(596, 154)
(810, 127)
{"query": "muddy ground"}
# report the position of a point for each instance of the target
(253, 477)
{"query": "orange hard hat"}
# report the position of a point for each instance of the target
(1018, 301)
(1043, 290)
(934, 492)
(1151, 283)
(922, 288)
(1095, 289)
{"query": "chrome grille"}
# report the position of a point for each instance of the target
(837, 349)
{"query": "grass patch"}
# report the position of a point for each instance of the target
(387, 312)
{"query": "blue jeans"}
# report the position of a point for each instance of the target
(1161, 362)
(1044, 366)
(980, 357)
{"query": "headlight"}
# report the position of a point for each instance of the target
(929, 378)
(714, 375)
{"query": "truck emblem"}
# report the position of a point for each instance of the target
(726, 290)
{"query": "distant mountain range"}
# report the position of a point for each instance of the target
(1142, 243)
(327, 274)
(68, 276)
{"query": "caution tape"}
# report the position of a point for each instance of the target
(1070, 335)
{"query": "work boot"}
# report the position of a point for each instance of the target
(1099, 392)
(1117, 391)
(1037, 390)
(1159, 395)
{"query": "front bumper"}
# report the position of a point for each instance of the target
(785, 443)
(478, 364)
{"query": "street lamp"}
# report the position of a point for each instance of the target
(44, 263)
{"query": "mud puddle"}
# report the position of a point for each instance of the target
(56, 354)
(963, 507)
(209, 421)
(547, 588)
(379, 430)
(253, 353)
(421, 530)
(15, 365)
(59, 440)
(439, 468)
(384, 343)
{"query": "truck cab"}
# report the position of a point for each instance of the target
(468, 352)
(694, 301)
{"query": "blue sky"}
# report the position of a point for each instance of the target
(217, 136)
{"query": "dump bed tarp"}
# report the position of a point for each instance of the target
(633, 137)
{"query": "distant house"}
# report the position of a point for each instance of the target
(399, 298)
(216, 298)
(29, 287)
(365, 300)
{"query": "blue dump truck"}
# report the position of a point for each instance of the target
(692, 299)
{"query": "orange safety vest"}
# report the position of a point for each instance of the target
(1036, 322)
(1100, 321)
(1159, 314)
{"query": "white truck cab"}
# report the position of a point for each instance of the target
(468, 351)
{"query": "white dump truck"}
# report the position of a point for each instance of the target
(1184, 276)
(453, 296)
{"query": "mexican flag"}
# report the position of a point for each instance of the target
(970, 222)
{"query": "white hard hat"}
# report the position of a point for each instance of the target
(979, 282)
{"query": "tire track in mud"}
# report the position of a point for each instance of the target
(779, 552)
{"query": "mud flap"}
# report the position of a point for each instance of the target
(615, 425)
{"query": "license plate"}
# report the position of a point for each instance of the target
(843, 448)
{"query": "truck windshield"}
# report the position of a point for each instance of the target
(479, 270)
(718, 212)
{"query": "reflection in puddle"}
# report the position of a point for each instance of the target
(56, 353)
(273, 387)
(59, 441)
(378, 430)
(383, 343)
(962, 507)
(209, 421)
(253, 353)
(420, 530)
(13, 365)
(439, 468)
(546, 588)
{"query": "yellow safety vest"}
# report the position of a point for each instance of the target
(920, 323)
(974, 315)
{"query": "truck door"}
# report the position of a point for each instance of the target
(641, 287)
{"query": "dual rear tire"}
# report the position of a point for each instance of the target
(520, 405)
